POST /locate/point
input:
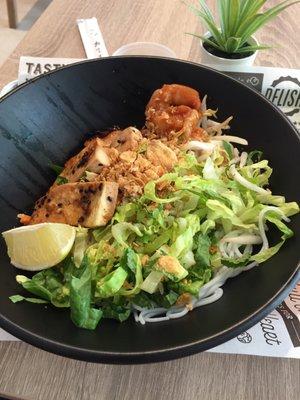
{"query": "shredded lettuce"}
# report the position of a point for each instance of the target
(150, 190)
(122, 230)
(195, 215)
(17, 298)
(150, 284)
(80, 245)
(234, 262)
(49, 285)
(209, 170)
(289, 209)
(184, 235)
(265, 254)
(111, 283)
(131, 262)
(254, 157)
(189, 287)
(82, 313)
(228, 149)
(114, 311)
(202, 254)
(167, 299)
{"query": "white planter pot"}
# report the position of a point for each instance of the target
(210, 59)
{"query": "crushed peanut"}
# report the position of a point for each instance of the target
(185, 299)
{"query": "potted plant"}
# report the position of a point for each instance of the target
(233, 43)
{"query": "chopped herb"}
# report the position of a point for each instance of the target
(17, 298)
(61, 180)
(254, 157)
(56, 168)
(228, 148)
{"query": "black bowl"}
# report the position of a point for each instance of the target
(46, 121)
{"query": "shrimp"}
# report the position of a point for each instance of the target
(173, 110)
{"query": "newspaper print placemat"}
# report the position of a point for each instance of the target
(277, 335)
(30, 67)
(281, 86)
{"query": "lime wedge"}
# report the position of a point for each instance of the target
(41, 246)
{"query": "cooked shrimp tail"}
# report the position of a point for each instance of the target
(173, 111)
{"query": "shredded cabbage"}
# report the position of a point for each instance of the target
(212, 219)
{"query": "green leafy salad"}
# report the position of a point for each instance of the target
(170, 250)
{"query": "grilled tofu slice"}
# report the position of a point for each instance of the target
(128, 139)
(91, 158)
(159, 154)
(89, 204)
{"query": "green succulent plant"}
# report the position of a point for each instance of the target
(239, 20)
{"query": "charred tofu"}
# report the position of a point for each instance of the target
(92, 158)
(128, 139)
(89, 204)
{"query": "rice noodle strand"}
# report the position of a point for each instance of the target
(233, 139)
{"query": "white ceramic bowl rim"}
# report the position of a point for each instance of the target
(8, 87)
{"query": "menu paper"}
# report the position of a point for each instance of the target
(279, 85)
(30, 67)
(92, 38)
(278, 334)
